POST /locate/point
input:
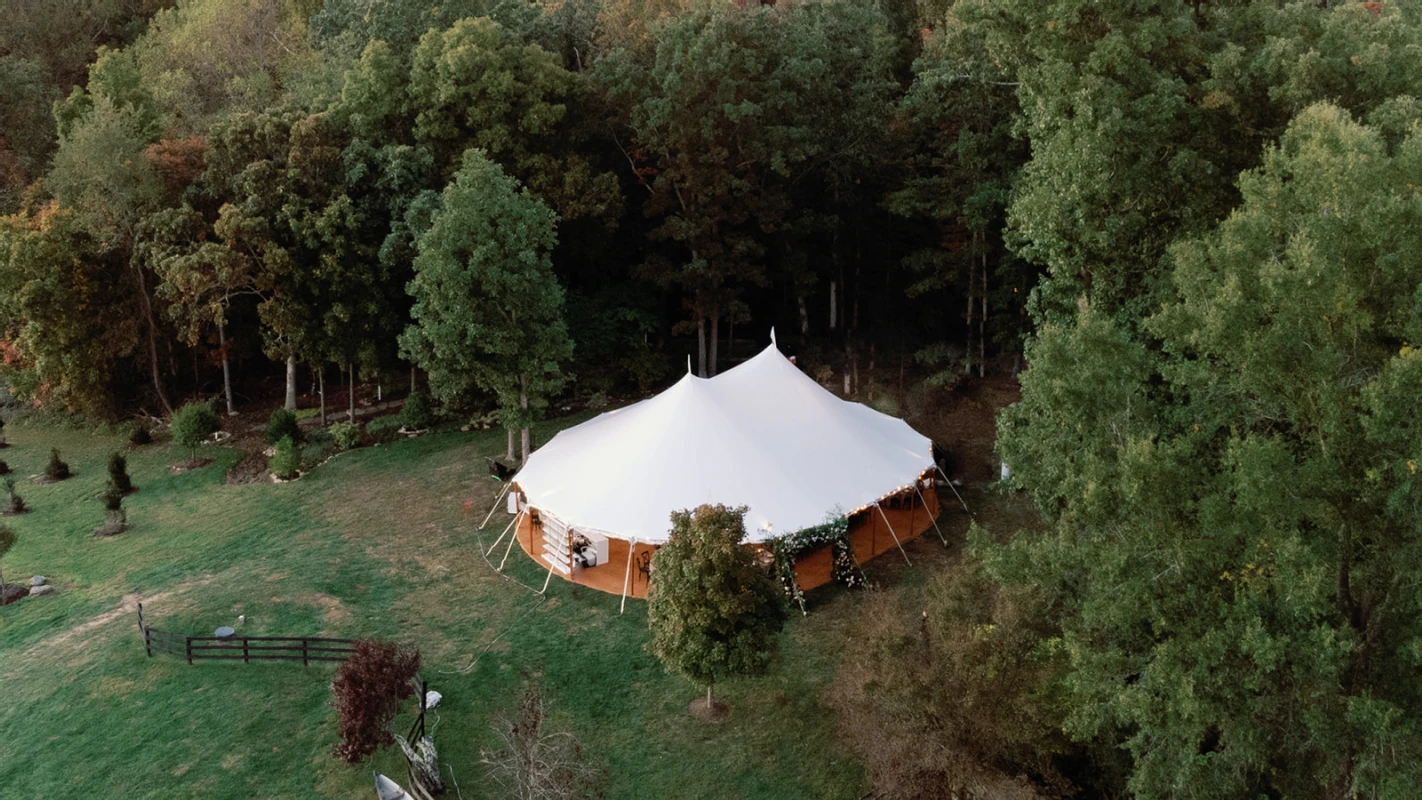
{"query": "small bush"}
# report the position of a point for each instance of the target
(118, 474)
(384, 429)
(416, 414)
(346, 434)
(4, 468)
(56, 470)
(282, 423)
(535, 759)
(12, 503)
(286, 461)
(140, 436)
(113, 498)
(192, 424)
(366, 695)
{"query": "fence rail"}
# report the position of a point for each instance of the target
(246, 648)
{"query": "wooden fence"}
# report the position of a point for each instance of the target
(247, 648)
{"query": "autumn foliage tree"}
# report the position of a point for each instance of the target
(366, 695)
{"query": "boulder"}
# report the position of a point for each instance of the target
(36, 591)
(38, 580)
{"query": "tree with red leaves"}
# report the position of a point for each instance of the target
(366, 695)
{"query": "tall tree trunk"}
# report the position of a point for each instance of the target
(352, 401)
(321, 390)
(226, 371)
(412, 379)
(804, 318)
(715, 340)
(152, 331)
(833, 301)
(708, 698)
(972, 305)
(982, 323)
(290, 382)
(509, 456)
(701, 344)
(523, 404)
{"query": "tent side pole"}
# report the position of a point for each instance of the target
(495, 545)
(548, 579)
(627, 579)
(954, 488)
(497, 498)
(891, 533)
(924, 500)
(512, 539)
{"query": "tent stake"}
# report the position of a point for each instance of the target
(931, 516)
(891, 533)
(495, 545)
(954, 488)
(626, 579)
(497, 498)
(512, 539)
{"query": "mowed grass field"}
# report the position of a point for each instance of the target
(379, 542)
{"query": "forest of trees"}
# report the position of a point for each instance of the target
(1199, 223)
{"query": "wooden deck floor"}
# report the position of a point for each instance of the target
(868, 531)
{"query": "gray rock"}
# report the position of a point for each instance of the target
(38, 580)
(36, 591)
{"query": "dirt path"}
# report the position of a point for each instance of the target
(125, 614)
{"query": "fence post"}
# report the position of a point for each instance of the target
(188, 646)
(147, 648)
(244, 651)
(304, 661)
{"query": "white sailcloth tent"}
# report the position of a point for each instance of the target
(763, 435)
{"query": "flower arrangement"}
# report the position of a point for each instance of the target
(833, 532)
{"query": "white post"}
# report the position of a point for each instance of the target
(497, 498)
(495, 545)
(548, 579)
(923, 500)
(954, 488)
(891, 533)
(512, 539)
(627, 579)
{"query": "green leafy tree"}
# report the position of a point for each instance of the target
(27, 133)
(488, 311)
(1233, 503)
(713, 610)
(477, 85)
(192, 424)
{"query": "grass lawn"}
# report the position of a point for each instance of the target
(376, 543)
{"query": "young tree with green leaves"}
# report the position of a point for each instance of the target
(488, 313)
(713, 611)
(192, 424)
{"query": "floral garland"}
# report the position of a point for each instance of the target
(835, 533)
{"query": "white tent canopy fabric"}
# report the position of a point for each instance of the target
(763, 435)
